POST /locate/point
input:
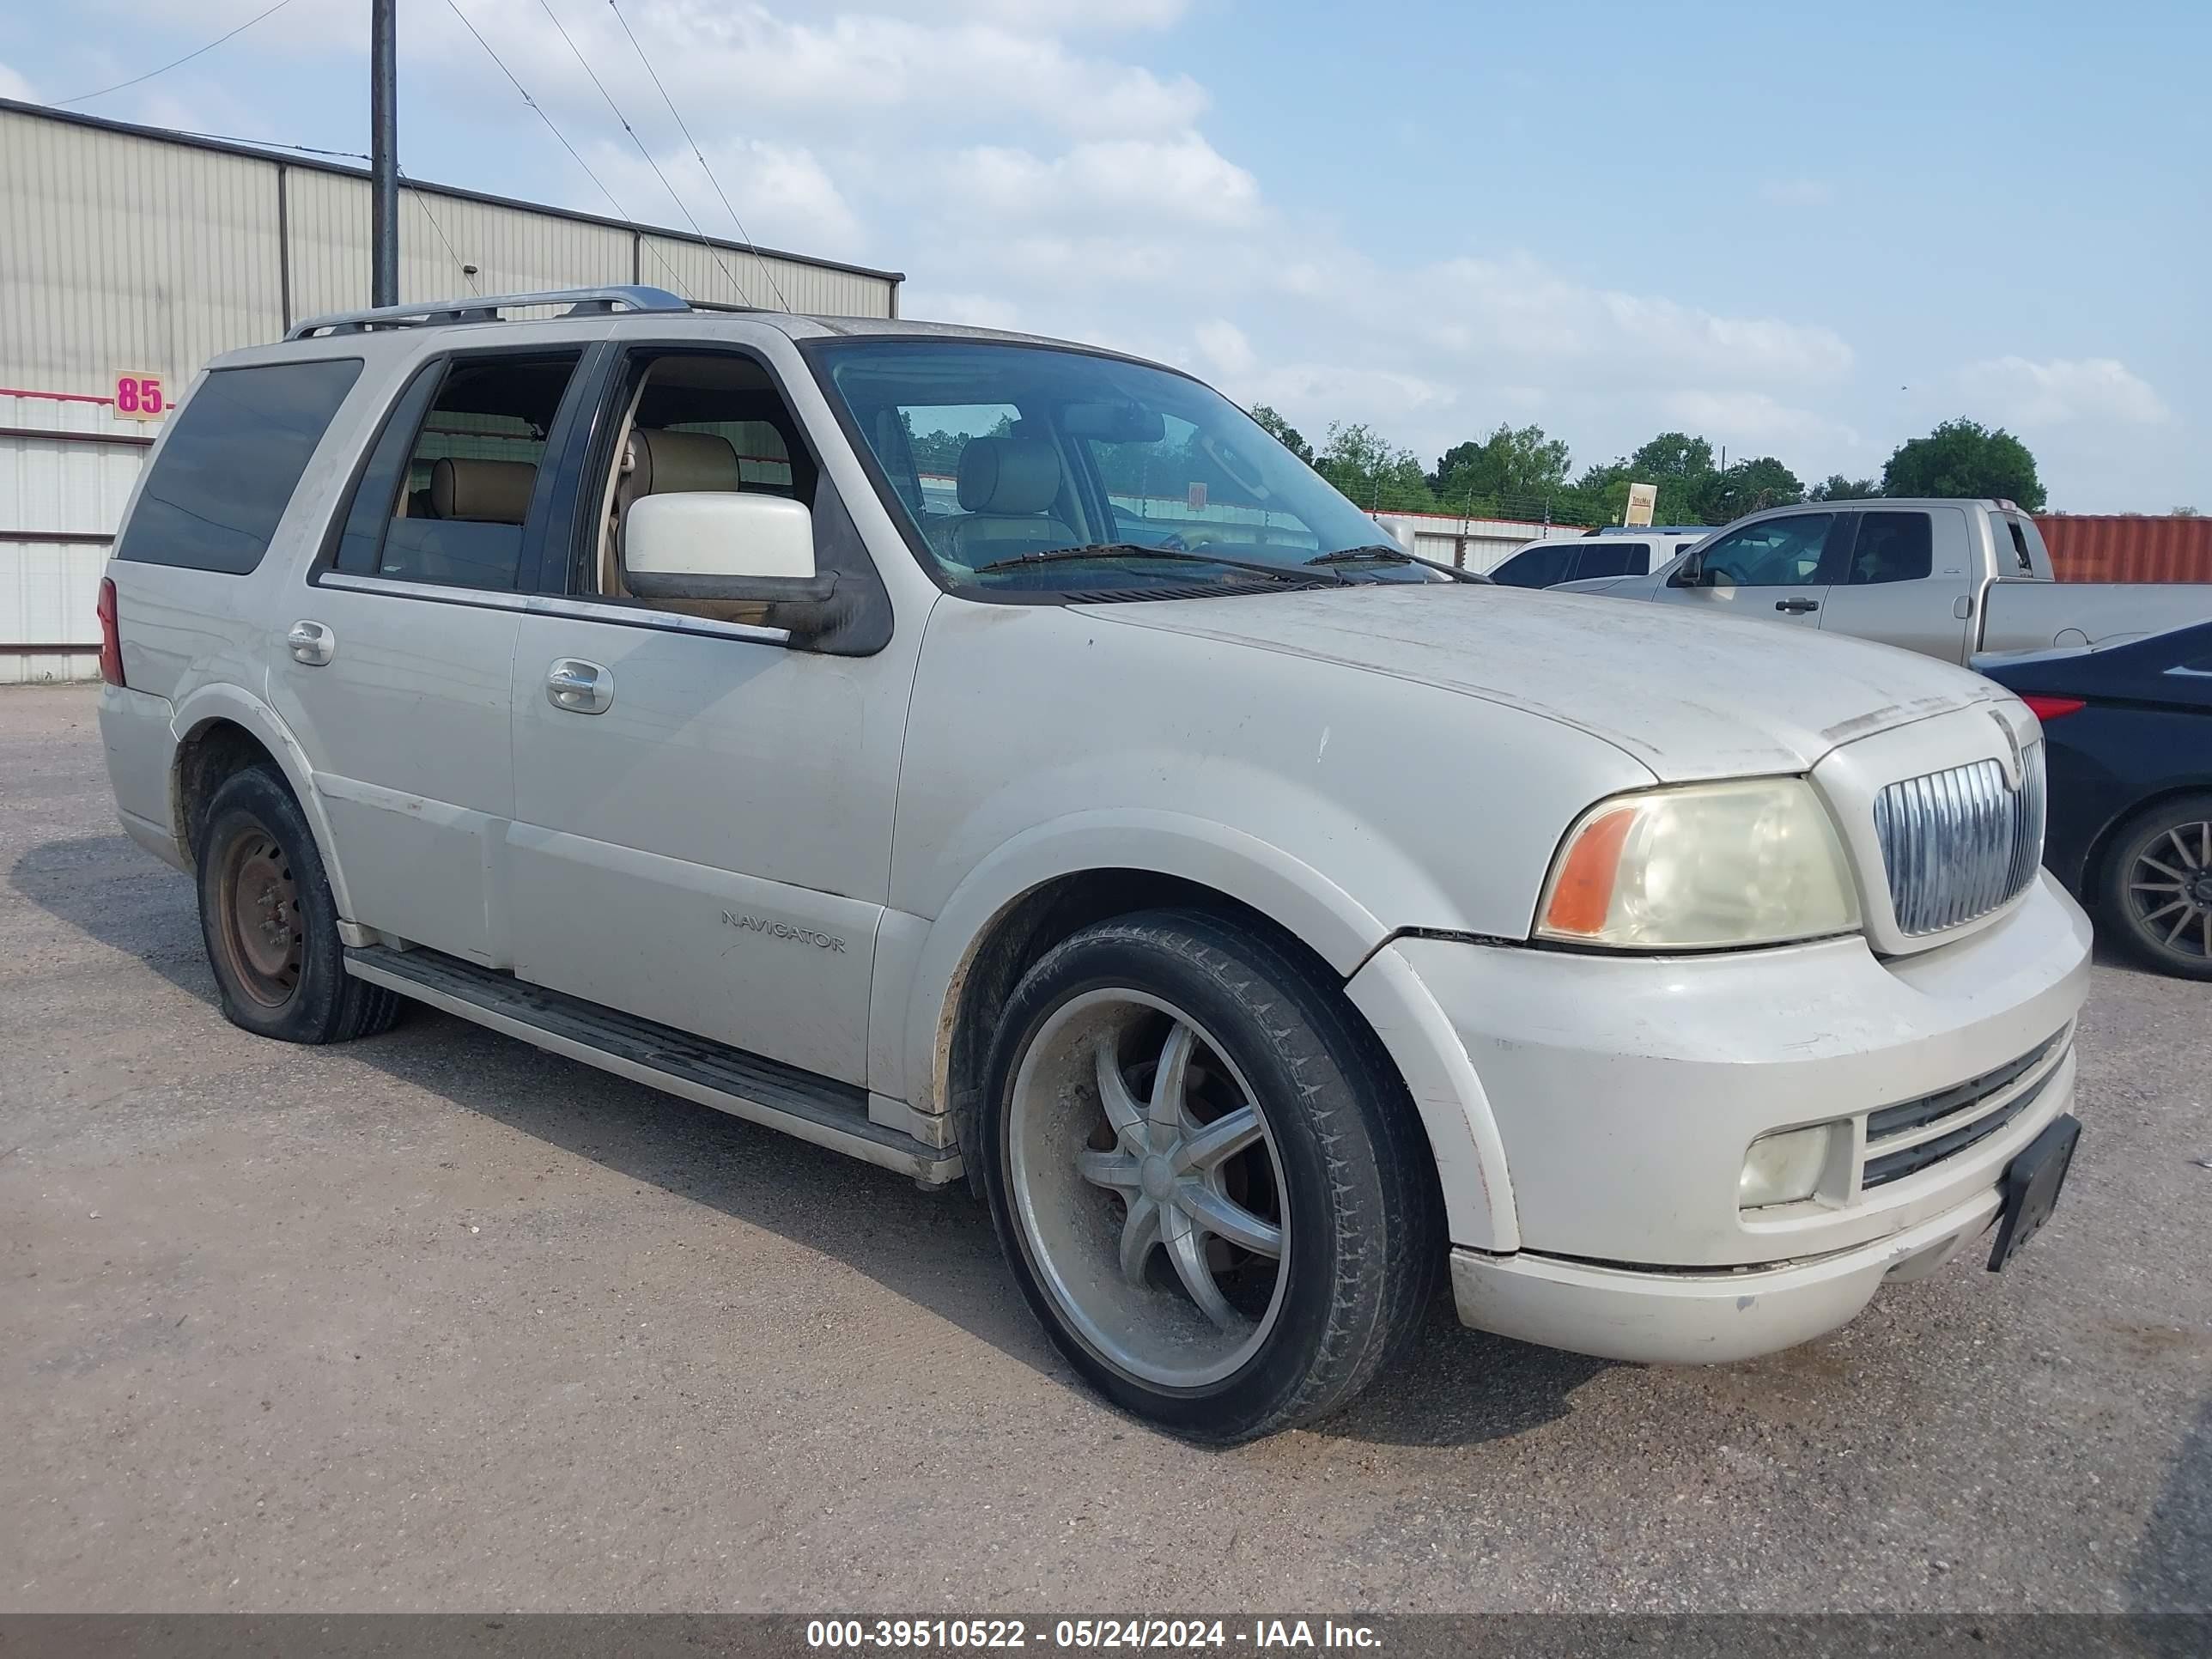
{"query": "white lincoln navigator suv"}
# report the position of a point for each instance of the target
(998, 759)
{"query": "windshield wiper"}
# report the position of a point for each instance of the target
(1103, 551)
(1384, 553)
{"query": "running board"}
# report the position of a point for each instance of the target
(816, 1109)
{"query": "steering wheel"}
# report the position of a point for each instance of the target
(1175, 544)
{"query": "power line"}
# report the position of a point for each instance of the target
(684, 208)
(422, 201)
(564, 143)
(86, 97)
(743, 235)
(270, 143)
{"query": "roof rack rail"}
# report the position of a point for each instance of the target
(486, 308)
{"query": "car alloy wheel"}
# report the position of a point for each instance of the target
(2169, 889)
(1148, 1188)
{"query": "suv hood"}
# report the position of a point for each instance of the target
(1690, 696)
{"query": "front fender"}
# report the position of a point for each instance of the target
(1341, 931)
(1230, 862)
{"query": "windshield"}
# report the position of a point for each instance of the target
(1000, 455)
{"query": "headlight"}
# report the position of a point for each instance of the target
(1752, 862)
(1781, 1169)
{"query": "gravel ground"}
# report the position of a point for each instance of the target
(435, 1320)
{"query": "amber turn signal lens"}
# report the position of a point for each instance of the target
(1583, 893)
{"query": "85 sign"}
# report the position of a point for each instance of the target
(140, 398)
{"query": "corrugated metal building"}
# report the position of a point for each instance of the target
(128, 256)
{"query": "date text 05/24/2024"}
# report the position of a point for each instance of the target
(1254, 1635)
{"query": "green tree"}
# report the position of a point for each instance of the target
(1963, 457)
(1745, 486)
(1512, 462)
(1375, 473)
(1670, 455)
(1837, 487)
(1679, 465)
(1282, 432)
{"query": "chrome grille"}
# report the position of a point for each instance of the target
(1958, 843)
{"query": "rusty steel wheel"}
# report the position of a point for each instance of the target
(260, 912)
(270, 922)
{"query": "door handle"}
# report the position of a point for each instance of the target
(580, 687)
(312, 643)
(1796, 607)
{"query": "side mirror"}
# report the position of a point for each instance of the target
(1691, 572)
(727, 546)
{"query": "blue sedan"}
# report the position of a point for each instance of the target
(2128, 733)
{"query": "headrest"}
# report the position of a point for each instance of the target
(663, 463)
(1008, 474)
(485, 492)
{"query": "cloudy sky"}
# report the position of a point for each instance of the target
(1812, 233)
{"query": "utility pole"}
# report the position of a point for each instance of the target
(383, 156)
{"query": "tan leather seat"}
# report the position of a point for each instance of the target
(664, 463)
(661, 462)
(482, 492)
(1007, 488)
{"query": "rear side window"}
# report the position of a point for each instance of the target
(1536, 567)
(450, 487)
(2024, 538)
(225, 474)
(1891, 547)
(1612, 558)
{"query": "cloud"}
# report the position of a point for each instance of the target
(1754, 419)
(867, 71)
(1047, 166)
(1183, 179)
(784, 195)
(1796, 193)
(1048, 15)
(1519, 307)
(1223, 344)
(13, 85)
(2063, 390)
(976, 309)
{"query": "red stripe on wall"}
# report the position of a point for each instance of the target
(54, 396)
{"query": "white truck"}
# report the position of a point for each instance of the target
(1265, 928)
(1949, 579)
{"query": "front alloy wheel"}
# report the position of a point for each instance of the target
(1149, 1192)
(1206, 1175)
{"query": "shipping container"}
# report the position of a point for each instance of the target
(2128, 547)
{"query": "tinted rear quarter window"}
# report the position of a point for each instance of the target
(1534, 567)
(225, 474)
(1612, 558)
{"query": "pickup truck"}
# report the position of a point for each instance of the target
(1264, 927)
(1949, 579)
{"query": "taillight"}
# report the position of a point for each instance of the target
(2047, 709)
(111, 641)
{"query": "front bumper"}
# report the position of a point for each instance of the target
(1625, 1092)
(1660, 1318)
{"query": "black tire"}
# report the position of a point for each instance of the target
(1364, 1231)
(281, 968)
(2135, 916)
